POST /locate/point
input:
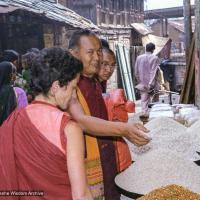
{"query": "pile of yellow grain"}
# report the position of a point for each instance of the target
(171, 192)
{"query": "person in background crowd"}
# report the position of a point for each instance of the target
(17, 79)
(10, 56)
(21, 96)
(146, 68)
(41, 147)
(13, 57)
(33, 50)
(26, 64)
(100, 152)
(105, 44)
(8, 100)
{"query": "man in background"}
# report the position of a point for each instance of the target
(146, 71)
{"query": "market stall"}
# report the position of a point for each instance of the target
(172, 156)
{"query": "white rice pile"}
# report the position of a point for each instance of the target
(163, 131)
(187, 144)
(164, 123)
(134, 117)
(195, 127)
(125, 198)
(159, 168)
(192, 141)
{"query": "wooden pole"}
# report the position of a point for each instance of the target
(188, 85)
(166, 27)
(197, 53)
(162, 27)
(187, 27)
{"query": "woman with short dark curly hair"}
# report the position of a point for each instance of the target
(41, 148)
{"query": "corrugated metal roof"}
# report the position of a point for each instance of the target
(179, 24)
(141, 28)
(48, 9)
(6, 9)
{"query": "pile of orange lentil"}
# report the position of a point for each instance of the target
(171, 192)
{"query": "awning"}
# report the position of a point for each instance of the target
(142, 28)
(51, 10)
(162, 44)
(4, 8)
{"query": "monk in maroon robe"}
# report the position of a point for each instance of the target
(91, 90)
(88, 50)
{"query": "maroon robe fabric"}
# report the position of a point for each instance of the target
(91, 90)
(29, 162)
(103, 86)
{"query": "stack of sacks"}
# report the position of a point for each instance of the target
(191, 117)
(161, 110)
(187, 114)
(177, 107)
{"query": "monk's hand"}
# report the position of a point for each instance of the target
(137, 134)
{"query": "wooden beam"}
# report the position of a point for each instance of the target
(161, 27)
(187, 27)
(188, 85)
(197, 54)
(166, 27)
(166, 13)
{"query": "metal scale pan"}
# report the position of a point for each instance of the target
(127, 193)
